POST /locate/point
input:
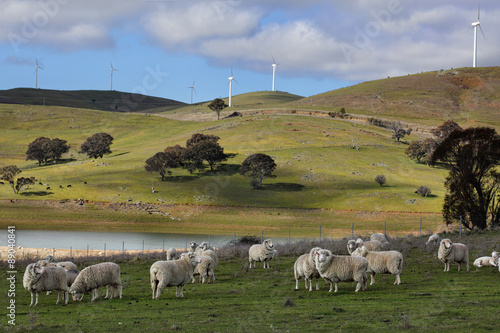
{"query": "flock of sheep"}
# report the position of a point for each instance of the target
(366, 258)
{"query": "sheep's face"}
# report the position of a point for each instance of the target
(194, 258)
(446, 243)
(322, 255)
(38, 269)
(494, 254)
(359, 241)
(268, 244)
(351, 245)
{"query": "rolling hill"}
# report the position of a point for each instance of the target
(88, 99)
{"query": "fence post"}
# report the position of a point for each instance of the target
(87, 250)
(352, 231)
(209, 238)
(36, 254)
(262, 237)
(105, 250)
(320, 233)
(71, 252)
(288, 236)
(385, 228)
(54, 252)
(123, 247)
(163, 244)
(186, 243)
(143, 246)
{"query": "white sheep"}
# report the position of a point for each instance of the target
(173, 273)
(373, 245)
(192, 246)
(487, 261)
(172, 254)
(205, 269)
(93, 277)
(336, 269)
(380, 238)
(212, 254)
(305, 266)
(37, 279)
(433, 240)
(381, 262)
(67, 265)
(450, 252)
(261, 252)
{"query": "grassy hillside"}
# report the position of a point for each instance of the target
(87, 99)
(466, 95)
(258, 300)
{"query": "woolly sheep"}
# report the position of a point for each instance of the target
(212, 254)
(450, 252)
(336, 269)
(67, 265)
(487, 261)
(305, 266)
(37, 279)
(373, 245)
(192, 246)
(433, 240)
(205, 268)
(172, 254)
(383, 262)
(173, 273)
(95, 276)
(381, 238)
(261, 252)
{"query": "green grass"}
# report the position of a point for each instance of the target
(243, 300)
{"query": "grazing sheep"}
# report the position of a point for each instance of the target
(49, 262)
(192, 246)
(204, 269)
(95, 276)
(433, 240)
(487, 261)
(381, 238)
(212, 254)
(450, 252)
(373, 245)
(261, 252)
(305, 266)
(37, 279)
(173, 273)
(382, 262)
(172, 254)
(336, 269)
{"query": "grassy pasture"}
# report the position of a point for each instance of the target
(243, 300)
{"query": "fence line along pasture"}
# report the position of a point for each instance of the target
(355, 230)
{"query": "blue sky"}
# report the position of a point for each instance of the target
(161, 46)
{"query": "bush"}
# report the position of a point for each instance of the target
(423, 191)
(380, 179)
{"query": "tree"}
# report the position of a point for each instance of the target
(421, 150)
(9, 174)
(257, 167)
(209, 151)
(398, 131)
(176, 153)
(200, 137)
(217, 105)
(423, 191)
(380, 179)
(97, 145)
(37, 150)
(473, 183)
(160, 163)
(55, 148)
(441, 132)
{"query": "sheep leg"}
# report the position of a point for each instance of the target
(459, 266)
(336, 287)
(181, 294)
(119, 291)
(58, 296)
(66, 296)
(31, 304)
(358, 286)
(398, 279)
(36, 299)
(317, 285)
(372, 280)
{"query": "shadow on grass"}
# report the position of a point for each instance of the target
(283, 187)
(36, 193)
(222, 170)
(120, 154)
(180, 179)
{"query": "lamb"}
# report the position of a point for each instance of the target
(172, 254)
(373, 245)
(450, 252)
(305, 266)
(205, 268)
(173, 273)
(95, 276)
(336, 269)
(383, 262)
(37, 279)
(261, 252)
(433, 240)
(487, 261)
(49, 262)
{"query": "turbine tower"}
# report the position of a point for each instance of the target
(192, 89)
(475, 25)
(112, 69)
(231, 78)
(36, 73)
(274, 70)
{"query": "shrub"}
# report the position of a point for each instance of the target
(423, 191)
(380, 179)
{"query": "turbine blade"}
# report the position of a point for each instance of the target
(274, 61)
(478, 7)
(479, 25)
(235, 81)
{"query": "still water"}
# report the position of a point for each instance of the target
(79, 240)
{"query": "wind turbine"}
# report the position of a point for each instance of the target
(112, 69)
(475, 25)
(192, 88)
(231, 78)
(274, 70)
(36, 73)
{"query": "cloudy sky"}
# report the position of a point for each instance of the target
(159, 47)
